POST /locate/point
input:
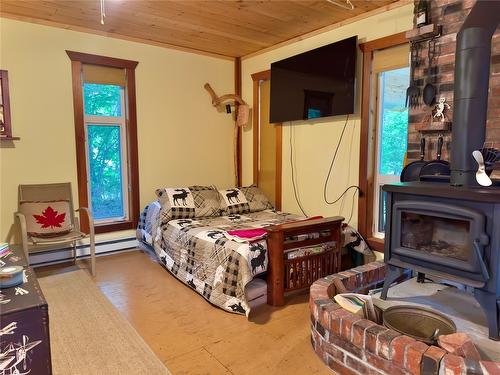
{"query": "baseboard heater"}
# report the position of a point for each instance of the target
(60, 255)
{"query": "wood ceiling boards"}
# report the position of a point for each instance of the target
(229, 28)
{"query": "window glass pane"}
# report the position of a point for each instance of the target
(105, 171)
(102, 100)
(393, 121)
(382, 211)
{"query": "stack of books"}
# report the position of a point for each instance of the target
(309, 250)
(4, 250)
(358, 304)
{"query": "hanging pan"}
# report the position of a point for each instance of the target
(436, 167)
(412, 171)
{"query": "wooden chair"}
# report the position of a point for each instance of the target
(55, 192)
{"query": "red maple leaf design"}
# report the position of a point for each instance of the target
(50, 218)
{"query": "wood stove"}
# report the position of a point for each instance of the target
(450, 232)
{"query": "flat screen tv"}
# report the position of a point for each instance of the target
(317, 83)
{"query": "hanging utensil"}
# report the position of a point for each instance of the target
(436, 167)
(412, 92)
(429, 93)
(412, 171)
(481, 175)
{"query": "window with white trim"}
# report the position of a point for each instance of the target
(106, 151)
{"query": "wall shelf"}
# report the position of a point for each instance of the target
(424, 33)
(434, 126)
(10, 138)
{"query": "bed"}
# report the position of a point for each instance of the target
(198, 252)
(202, 253)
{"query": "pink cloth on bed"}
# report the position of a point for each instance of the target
(248, 234)
(258, 233)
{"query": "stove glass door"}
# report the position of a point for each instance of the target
(435, 235)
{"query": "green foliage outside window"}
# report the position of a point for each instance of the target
(104, 151)
(102, 100)
(394, 134)
(394, 121)
(105, 171)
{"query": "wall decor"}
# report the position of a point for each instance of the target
(5, 119)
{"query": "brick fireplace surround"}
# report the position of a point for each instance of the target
(350, 345)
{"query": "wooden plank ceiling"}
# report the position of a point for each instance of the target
(224, 27)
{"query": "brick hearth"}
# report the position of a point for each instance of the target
(349, 344)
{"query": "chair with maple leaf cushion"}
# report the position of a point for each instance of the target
(47, 217)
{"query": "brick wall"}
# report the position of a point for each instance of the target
(451, 15)
(350, 345)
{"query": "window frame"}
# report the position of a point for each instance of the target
(379, 179)
(368, 139)
(130, 112)
(121, 122)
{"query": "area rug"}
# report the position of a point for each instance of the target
(88, 335)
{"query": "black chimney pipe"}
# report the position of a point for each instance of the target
(470, 100)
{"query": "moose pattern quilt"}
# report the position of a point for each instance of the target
(199, 252)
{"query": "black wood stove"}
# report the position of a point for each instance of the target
(449, 232)
(452, 229)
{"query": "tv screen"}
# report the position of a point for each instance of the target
(317, 83)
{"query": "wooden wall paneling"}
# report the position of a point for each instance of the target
(255, 131)
(330, 27)
(257, 78)
(279, 163)
(223, 28)
(385, 42)
(239, 130)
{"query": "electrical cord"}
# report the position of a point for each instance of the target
(293, 175)
(330, 172)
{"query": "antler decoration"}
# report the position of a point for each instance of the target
(243, 111)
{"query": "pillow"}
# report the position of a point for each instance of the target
(189, 202)
(257, 201)
(47, 218)
(233, 201)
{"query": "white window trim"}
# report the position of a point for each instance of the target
(379, 180)
(120, 121)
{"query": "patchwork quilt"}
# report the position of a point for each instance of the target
(199, 252)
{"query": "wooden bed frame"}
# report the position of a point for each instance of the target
(305, 269)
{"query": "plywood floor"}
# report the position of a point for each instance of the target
(193, 337)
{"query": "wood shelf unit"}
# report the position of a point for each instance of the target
(310, 267)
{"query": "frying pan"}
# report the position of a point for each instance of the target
(436, 167)
(411, 172)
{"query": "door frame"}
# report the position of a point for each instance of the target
(257, 78)
(368, 139)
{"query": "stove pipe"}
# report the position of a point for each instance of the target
(470, 100)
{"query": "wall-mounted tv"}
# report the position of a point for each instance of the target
(317, 83)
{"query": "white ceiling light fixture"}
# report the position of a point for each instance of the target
(345, 4)
(103, 11)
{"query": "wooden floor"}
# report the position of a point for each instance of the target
(193, 337)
